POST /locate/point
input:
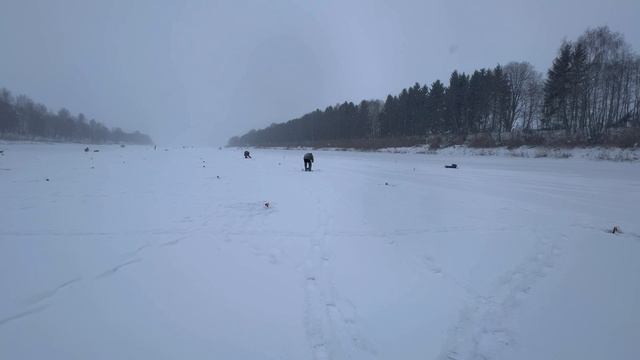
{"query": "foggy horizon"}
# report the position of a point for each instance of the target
(199, 73)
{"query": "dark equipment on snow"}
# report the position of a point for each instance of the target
(616, 230)
(308, 160)
(452, 166)
(247, 155)
(86, 149)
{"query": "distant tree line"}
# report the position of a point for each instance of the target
(592, 86)
(22, 118)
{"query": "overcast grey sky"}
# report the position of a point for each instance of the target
(198, 72)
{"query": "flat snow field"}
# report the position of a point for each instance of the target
(131, 253)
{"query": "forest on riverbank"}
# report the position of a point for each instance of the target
(21, 118)
(590, 94)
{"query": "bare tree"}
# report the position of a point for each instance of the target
(522, 78)
(375, 107)
(611, 97)
(533, 102)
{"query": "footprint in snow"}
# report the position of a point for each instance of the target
(23, 314)
(51, 292)
(116, 268)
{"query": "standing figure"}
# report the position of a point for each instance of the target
(308, 160)
(247, 155)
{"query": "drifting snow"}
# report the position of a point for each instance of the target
(135, 253)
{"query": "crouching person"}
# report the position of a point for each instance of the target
(247, 155)
(308, 160)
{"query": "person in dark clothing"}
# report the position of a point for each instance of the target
(247, 155)
(308, 160)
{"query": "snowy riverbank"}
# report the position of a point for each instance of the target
(589, 153)
(593, 153)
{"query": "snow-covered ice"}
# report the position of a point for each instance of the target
(131, 253)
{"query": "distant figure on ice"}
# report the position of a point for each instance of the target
(247, 155)
(308, 160)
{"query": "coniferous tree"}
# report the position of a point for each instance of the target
(436, 107)
(457, 103)
(577, 97)
(556, 90)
